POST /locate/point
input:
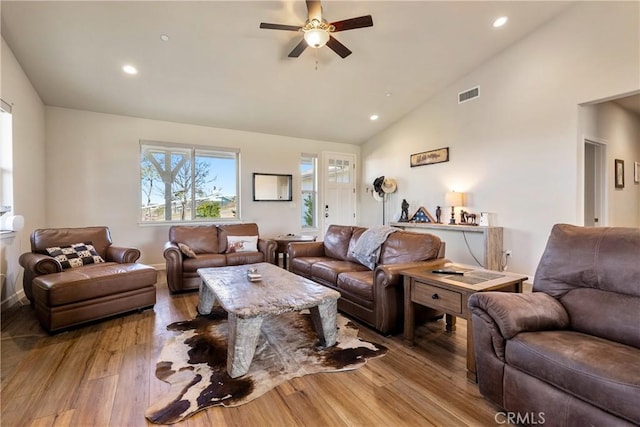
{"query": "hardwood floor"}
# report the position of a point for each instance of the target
(103, 374)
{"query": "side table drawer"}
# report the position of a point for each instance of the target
(435, 297)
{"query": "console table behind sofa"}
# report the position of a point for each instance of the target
(491, 239)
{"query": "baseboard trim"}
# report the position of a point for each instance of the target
(13, 300)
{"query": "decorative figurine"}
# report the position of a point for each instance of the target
(404, 216)
(471, 219)
(438, 215)
(468, 218)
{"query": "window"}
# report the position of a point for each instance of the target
(187, 183)
(6, 158)
(309, 187)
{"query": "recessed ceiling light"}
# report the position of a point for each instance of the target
(373, 117)
(500, 22)
(164, 37)
(130, 69)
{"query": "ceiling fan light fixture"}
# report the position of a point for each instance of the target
(316, 37)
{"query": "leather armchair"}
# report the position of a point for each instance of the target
(64, 297)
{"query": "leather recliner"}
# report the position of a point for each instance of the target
(567, 354)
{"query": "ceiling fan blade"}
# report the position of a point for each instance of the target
(338, 47)
(353, 23)
(298, 49)
(268, 26)
(314, 9)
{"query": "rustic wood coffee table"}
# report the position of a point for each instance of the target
(449, 293)
(248, 303)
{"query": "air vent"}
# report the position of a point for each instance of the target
(468, 95)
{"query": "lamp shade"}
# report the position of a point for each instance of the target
(453, 198)
(316, 37)
(11, 222)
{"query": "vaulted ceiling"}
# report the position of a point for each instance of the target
(219, 69)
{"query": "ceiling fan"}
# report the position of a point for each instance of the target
(317, 31)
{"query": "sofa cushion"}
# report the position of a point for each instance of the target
(99, 237)
(91, 281)
(202, 239)
(405, 246)
(601, 372)
(239, 258)
(328, 271)
(622, 314)
(603, 258)
(203, 261)
(75, 255)
(302, 266)
(358, 284)
(336, 241)
(226, 230)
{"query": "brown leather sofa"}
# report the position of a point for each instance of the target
(569, 352)
(209, 248)
(373, 297)
(65, 296)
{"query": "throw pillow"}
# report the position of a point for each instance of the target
(75, 255)
(186, 250)
(242, 244)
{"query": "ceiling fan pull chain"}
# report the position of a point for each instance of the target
(316, 52)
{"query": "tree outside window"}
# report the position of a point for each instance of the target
(182, 183)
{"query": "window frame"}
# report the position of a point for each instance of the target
(314, 191)
(192, 150)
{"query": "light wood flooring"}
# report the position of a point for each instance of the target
(103, 374)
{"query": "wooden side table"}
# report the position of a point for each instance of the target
(450, 293)
(283, 244)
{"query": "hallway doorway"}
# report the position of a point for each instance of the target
(594, 183)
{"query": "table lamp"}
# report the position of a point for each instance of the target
(453, 199)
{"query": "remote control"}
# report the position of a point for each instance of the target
(459, 273)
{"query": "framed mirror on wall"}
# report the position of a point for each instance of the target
(270, 187)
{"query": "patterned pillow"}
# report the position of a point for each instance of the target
(186, 250)
(75, 255)
(242, 244)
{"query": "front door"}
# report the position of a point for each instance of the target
(339, 205)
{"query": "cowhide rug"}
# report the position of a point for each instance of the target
(194, 361)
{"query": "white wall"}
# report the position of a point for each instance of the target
(28, 165)
(619, 130)
(92, 175)
(517, 148)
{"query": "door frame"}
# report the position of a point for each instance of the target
(601, 177)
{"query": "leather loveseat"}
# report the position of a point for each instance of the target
(76, 275)
(191, 247)
(374, 297)
(567, 354)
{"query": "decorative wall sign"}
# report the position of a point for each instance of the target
(619, 171)
(430, 157)
(422, 215)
